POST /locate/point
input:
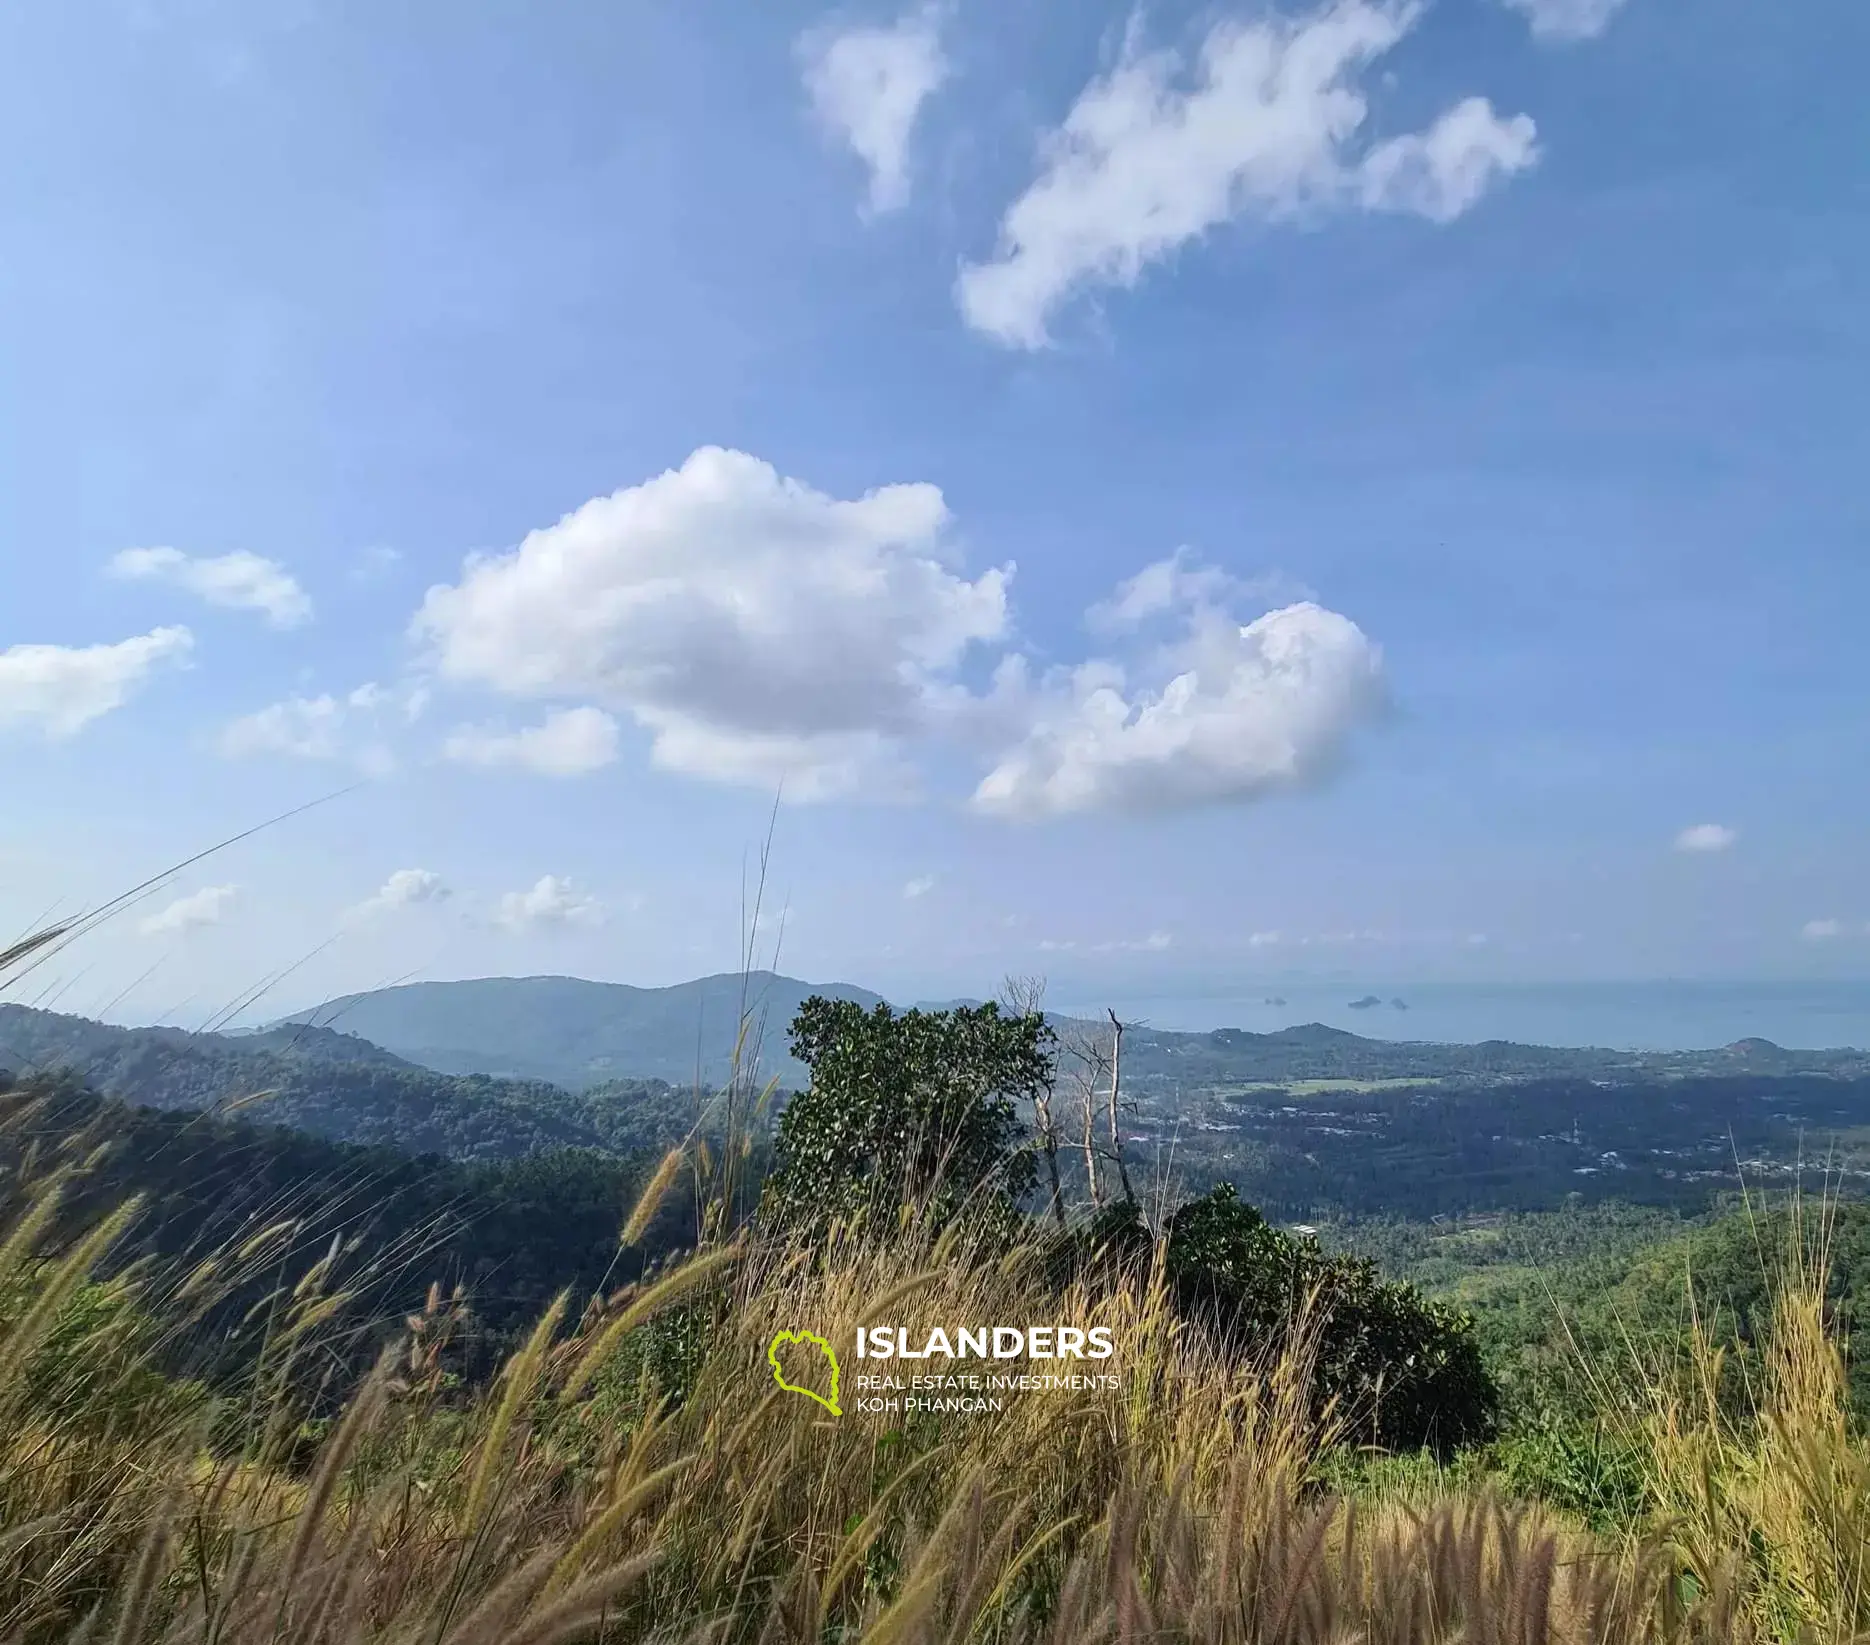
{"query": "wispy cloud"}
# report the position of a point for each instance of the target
(1560, 21)
(350, 728)
(1155, 943)
(569, 742)
(918, 887)
(1707, 838)
(1263, 122)
(868, 85)
(241, 581)
(60, 689)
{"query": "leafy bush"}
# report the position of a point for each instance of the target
(912, 1110)
(1405, 1373)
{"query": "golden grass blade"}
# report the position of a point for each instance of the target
(521, 1376)
(649, 1202)
(671, 1288)
(628, 1504)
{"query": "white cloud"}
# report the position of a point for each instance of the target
(239, 580)
(568, 743)
(919, 887)
(304, 727)
(1243, 711)
(761, 631)
(1707, 838)
(1561, 20)
(208, 906)
(1265, 939)
(405, 888)
(1155, 943)
(1172, 584)
(318, 728)
(60, 689)
(552, 901)
(1822, 930)
(375, 563)
(1157, 152)
(867, 86)
(1442, 173)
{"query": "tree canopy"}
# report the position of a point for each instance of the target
(917, 1108)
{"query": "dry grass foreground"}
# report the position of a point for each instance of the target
(566, 1503)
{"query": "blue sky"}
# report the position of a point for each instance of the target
(1189, 493)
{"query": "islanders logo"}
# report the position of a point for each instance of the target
(785, 1339)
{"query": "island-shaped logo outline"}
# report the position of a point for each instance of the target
(783, 1339)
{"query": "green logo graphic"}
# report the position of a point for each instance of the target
(772, 1358)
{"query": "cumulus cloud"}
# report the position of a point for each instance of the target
(240, 580)
(59, 689)
(568, 743)
(761, 631)
(1244, 710)
(867, 85)
(1265, 122)
(1822, 930)
(550, 902)
(1565, 20)
(208, 906)
(1707, 838)
(919, 887)
(405, 888)
(326, 727)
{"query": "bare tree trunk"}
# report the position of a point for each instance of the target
(1048, 1139)
(1116, 1132)
(1026, 995)
(1090, 1145)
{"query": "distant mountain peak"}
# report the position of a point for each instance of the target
(574, 1032)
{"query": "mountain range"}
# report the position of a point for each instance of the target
(578, 1034)
(499, 1067)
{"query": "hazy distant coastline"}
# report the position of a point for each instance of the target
(1623, 1016)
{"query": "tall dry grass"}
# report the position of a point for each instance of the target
(569, 1501)
(1770, 1479)
(573, 1500)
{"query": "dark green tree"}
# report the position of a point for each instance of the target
(915, 1108)
(1403, 1372)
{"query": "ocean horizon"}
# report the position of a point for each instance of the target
(1623, 1016)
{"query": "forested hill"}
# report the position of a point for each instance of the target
(577, 1033)
(511, 1231)
(339, 1087)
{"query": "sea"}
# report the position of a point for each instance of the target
(1622, 1016)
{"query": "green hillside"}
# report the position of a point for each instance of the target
(576, 1033)
(340, 1088)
